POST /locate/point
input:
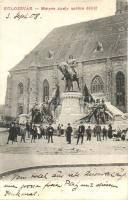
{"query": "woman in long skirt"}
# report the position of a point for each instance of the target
(12, 133)
(110, 131)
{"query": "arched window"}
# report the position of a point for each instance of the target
(97, 85)
(120, 89)
(45, 90)
(20, 103)
(20, 89)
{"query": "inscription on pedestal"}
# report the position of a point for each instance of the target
(70, 110)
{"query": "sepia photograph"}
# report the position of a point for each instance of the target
(64, 100)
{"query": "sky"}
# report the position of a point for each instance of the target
(19, 37)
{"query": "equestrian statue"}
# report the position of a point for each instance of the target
(70, 75)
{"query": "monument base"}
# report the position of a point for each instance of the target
(71, 108)
(23, 118)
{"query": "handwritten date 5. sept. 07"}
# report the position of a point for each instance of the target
(20, 15)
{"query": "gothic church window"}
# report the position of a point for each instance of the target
(20, 89)
(97, 85)
(45, 90)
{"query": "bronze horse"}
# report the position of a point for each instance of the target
(69, 79)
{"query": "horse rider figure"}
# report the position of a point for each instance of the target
(68, 69)
(72, 67)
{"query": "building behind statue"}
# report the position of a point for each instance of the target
(2, 111)
(100, 48)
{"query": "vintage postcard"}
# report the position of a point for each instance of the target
(63, 100)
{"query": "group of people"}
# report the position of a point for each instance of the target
(102, 133)
(31, 131)
(34, 132)
(98, 132)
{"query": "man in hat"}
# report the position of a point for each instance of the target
(89, 133)
(81, 131)
(50, 131)
(68, 133)
(98, 132)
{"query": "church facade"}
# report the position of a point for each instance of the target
(100, 49)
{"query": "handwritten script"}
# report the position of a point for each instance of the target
(34, 183)
(20, 15)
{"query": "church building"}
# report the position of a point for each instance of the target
(100, 49)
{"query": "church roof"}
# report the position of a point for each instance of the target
(95, 39)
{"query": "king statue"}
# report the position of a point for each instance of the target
(69, 71)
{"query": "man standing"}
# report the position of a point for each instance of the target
(62, 129)
(28, 129)
(34, 133)
(17, 130)
(68, 133)
(104, 133)
(50, 131)
(81, 131)
(94, 131)
(98, 132)
(42, 131)
(59, 130)
(46, 132)
(89, 133)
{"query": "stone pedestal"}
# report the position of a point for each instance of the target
(71, 108)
